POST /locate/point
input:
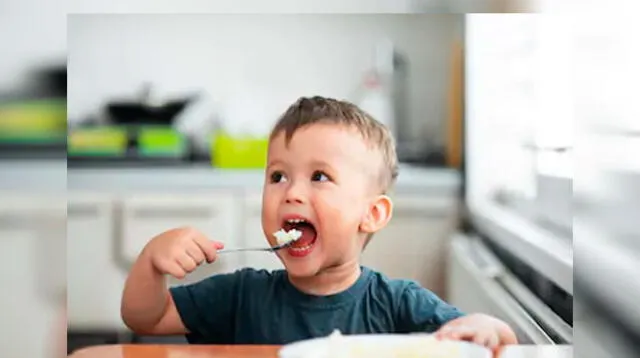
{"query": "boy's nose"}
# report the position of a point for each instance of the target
(294, 200)
(295, 194)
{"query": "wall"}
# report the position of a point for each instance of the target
(31, 35)
(271, 58)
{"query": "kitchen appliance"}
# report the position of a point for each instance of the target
(384, 93)
(507, 260)
(480, 281)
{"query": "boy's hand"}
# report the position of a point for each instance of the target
(480, 329)
(178, 252)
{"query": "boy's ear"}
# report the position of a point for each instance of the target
(378, 215)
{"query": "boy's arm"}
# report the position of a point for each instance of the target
(147, 306)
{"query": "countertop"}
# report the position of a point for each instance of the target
(38, 176)
(205, 177)
(247, 351)
(30, 175)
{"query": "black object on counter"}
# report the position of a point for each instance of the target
(136, 113)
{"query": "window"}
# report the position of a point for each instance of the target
(519, 100)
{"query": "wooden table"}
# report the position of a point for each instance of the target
(177, 351)
(242, 351)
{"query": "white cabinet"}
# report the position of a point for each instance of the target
(31, 261)
(94, 280)
(414, 243)
(214, 213)
(253, 236)
(105, 234)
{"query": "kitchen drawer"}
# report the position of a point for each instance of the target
(215, 214)
(94, 280)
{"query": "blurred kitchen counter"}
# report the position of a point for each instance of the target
(54, 175)
(202, 177)
(33, 175)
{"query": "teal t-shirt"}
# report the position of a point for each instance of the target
(260, 307)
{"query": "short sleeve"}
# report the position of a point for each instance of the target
(207, 308)
(421, 310)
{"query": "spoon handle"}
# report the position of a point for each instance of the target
(263, 249)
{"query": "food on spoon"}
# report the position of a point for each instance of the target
(286, 237)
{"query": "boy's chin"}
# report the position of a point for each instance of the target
(301, 269)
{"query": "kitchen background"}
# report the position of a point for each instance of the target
(168, 119)
(142, 89)
(239, 72)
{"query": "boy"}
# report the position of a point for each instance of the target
(329, 167)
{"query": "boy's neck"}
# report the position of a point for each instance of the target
(329, 281)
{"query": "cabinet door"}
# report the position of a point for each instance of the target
(213, 213)
(253, 235)
(94, 281)
(32, 283)
(414, 243)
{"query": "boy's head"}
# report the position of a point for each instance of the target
(329, 167)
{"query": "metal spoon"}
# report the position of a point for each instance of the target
(263, 249)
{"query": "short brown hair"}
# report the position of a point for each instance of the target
(310, 110)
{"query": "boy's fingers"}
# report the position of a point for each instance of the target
(444, 332)
(196, 253)
(493, 342)
(456, 333)
(186, 262)
(481, 339)
(208, 247)
(174, 269)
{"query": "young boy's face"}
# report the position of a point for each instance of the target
(325, 176)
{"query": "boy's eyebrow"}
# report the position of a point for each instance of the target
(321, 163)
(274, 162)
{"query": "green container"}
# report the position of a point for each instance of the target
(97, 141)
(161, 141)
(33, 121)
(238, 152)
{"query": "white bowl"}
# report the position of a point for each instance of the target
(382, 346)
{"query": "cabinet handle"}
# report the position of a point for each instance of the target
(15, 221)
(82, 210)
(549, 321)
(556, 149)
(118, 239)
(173, 213)
(477, 256)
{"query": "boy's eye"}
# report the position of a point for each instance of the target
(319, 176)
(277, 177)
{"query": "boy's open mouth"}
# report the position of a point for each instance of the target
(304, 245)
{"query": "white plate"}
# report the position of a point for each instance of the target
(382, 346)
